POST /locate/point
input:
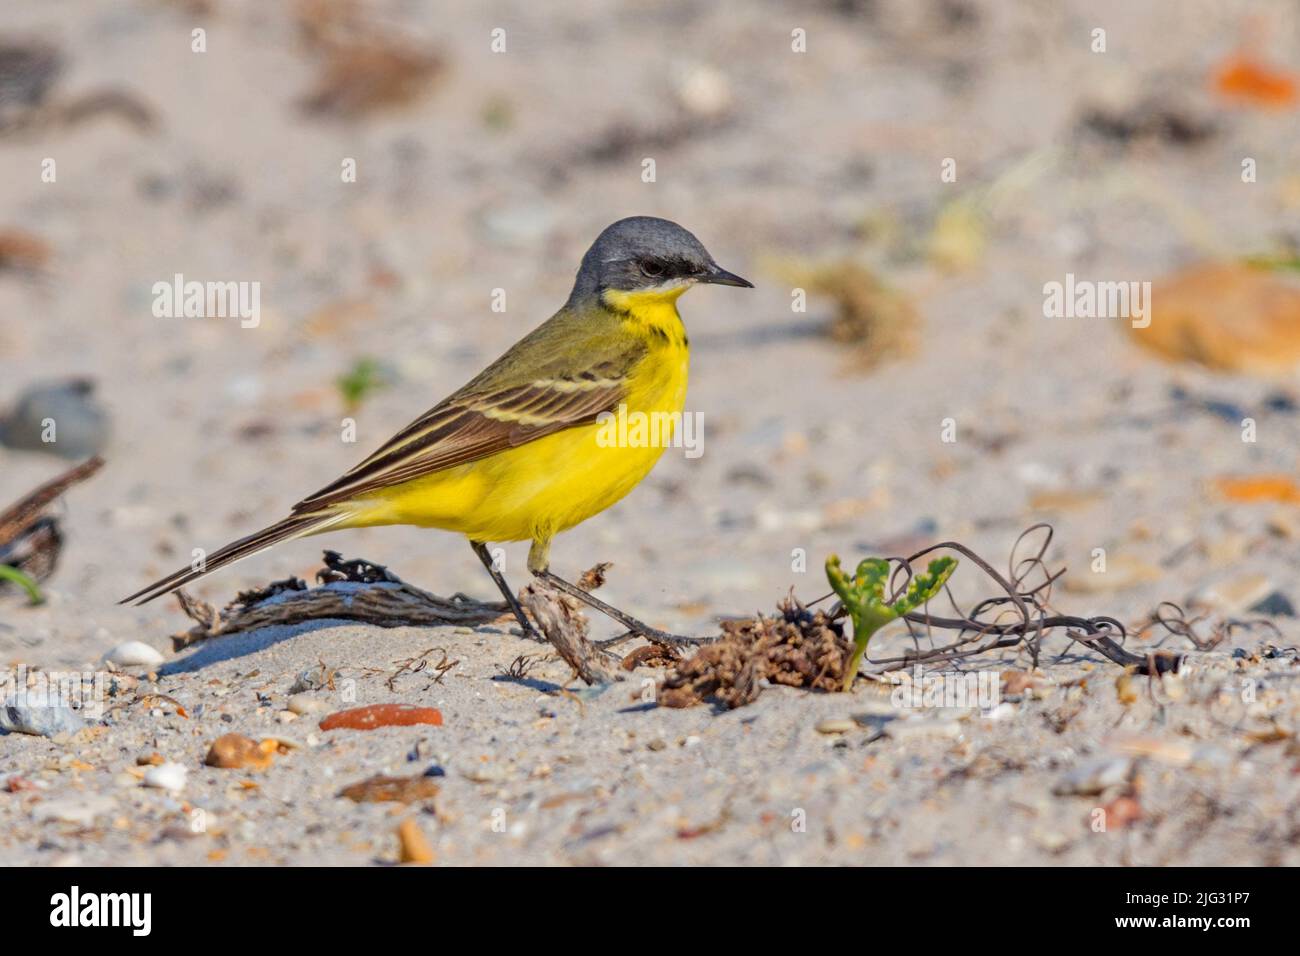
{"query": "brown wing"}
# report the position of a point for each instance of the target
(523, 396)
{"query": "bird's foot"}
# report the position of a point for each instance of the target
(529, 633)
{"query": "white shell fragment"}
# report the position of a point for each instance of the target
(134, 654)
(167, 776)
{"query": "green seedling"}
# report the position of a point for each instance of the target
(17, 577)
(364, 378)
(863, 596)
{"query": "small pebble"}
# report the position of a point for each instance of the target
(310, 679)
(1052, 841)
(383, 789)
(237, 752)
(1002, 711)
(19, 716)
(305, 704)
(1094, 777)
(167, 776)
(415, 847)
(382, 715)
(1121, 812)
(877, 717)
(836, 725)
(1126, 689)
(79, 423)
(1275, 604)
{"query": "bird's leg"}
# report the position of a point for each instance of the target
(485, 556)
(538, 563)
(628, 621)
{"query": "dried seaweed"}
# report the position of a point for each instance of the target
(352, 590)
(650, 655)
(519, 668)
(420, 663)
(1173, 620)
(800, 648)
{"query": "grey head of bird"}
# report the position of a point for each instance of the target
(643, 253)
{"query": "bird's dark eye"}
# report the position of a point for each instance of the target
(652, 268)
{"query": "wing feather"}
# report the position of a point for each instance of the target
(532, 391)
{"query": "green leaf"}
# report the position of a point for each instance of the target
(873, 573)
(925, 586)
(29, 585)
(863, 596)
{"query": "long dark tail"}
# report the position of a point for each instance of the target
(294, 526)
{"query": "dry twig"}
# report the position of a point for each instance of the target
(418, 663)
(351, 591)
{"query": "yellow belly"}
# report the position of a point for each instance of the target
(547, 485)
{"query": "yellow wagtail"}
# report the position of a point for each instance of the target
(515, 455)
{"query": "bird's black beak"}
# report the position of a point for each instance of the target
(719, 276)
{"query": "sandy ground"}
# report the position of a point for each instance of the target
(498, 179)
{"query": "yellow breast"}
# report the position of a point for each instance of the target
(556, 482)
